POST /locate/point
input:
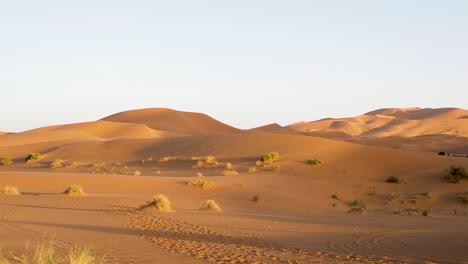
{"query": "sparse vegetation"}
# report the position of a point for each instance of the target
(57, 164)
(33, 156)
(252, 170)
(358, 203)
(455, 174)
(159, 202)
(230, 173)
(228, 166)
(45, 253)
(314, 162)
(75, 190)
(270, 157)
(276, 168)
(9, 190)
(5, 161)
(200, 183)
(394, 179)
(256, 198)
(210, 204)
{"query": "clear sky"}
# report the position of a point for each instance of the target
(244, 62)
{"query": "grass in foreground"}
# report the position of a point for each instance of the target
(45, 253)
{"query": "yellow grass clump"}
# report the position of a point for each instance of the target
(8, 190)
(75, 190)
(210, 204)
(200, 183)
(230, 173)
(160, 202)
(45, 253)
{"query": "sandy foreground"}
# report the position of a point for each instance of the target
(294, 220)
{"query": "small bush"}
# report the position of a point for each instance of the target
(394, 179)
(252, 170)
(455, 174)
(6, 161)
(57, 164)
(256, 198)
(270, 157)
(314, 162)
(228, 166)
(276, 168)
(210, 204)
(160, 202)
(358, 203)
(230, 173)
(33, 156)
(200, 183)
(8, 190)
(75, 190)
(334, 196)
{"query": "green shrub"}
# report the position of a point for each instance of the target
(33, 156)
(314, 162)
(394, 179)
(6, 161)
(455, 174)
(270, 157)
(276, 168)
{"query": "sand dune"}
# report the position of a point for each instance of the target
(300, 214)
(171, 120)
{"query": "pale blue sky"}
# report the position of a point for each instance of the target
(246, 63)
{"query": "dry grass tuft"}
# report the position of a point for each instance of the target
(210, 204)
(230, 173)
(9, 190)
(200, 183)
(159, 202)
(75, 190)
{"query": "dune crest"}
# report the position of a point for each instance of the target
(165, 119)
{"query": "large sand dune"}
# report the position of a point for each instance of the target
(125, 160)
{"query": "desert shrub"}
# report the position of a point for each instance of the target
(259, 163)
(33, 156)
(359, 203)
(394, 179)
(455, 174)
(200, 183)
(256, 198)
(210, 204)
(252, 170)
(9, 190)
(270, 157)
(74, 189)
(314, 162)
(210, 160)
(334, 196)
(276, 168)
(228, 166)
(160, 202)
(57, 163)
(230, 173)
(6, 161)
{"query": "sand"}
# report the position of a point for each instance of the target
(294, 219)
